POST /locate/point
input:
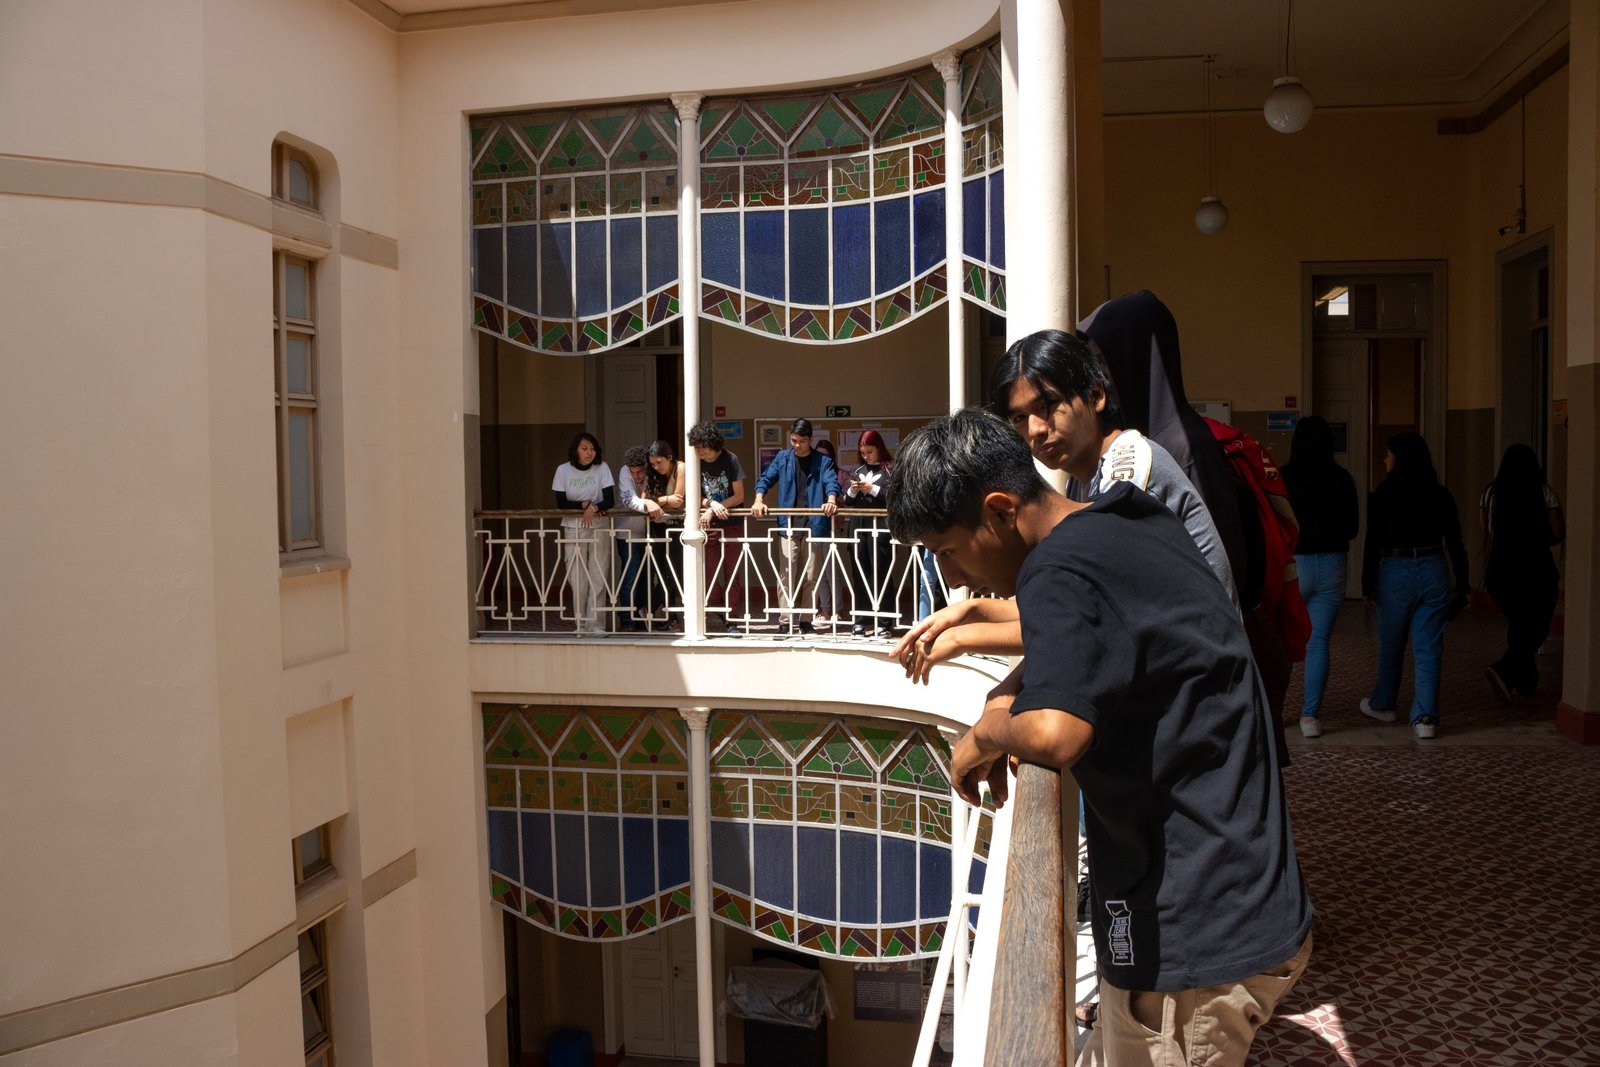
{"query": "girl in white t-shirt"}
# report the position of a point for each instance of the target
(584, 485)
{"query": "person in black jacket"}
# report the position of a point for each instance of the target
(1412, 522)
(1324, 499)
(1522, 520)
(872, 562)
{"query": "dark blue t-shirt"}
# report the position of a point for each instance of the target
(1192, 868)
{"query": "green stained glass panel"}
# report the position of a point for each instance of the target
(830, 131)
(504, 160)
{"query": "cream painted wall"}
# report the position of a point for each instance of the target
(535, 388)
(1365, 185)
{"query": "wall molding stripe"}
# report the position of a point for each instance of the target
(382, 882)
(107, 1007)
(515, 12)
(68, 179)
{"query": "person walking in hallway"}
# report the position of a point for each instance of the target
(1522, 521)
(1412, 523)
(1324, 499)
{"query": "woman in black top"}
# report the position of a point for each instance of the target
(872, 570)
(1323, 496)
(1412, 522)
(1522, 521)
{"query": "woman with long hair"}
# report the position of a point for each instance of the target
(584, 485)
(872, 563)
(1522, 521)
(1324, 499)
(663, 484)
(1412, 523)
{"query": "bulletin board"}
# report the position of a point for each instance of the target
(771, 436)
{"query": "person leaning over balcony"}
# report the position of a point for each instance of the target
(663, 483)
(805, 479)
(1139, 678)
(631, 527)
(721, 488)
(872, 568)
(584, 484)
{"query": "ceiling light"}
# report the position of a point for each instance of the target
(1288, 107)
(1212, 215)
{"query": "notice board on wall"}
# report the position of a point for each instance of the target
(772, 436)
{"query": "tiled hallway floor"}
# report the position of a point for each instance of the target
(1455, 880)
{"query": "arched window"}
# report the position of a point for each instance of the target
(294, 176)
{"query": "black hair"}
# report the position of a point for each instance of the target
(801, 427)
(947, 467)
(662, 448)
(1517, 513)
(636, 456)
(1413, 460)
(580, 437)
(705, 435)
(1062, 367)
(1312, 445)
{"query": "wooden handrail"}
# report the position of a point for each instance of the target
(1028, 1002)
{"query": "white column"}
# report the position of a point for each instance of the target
(960, 868)
(948, 64)
(694, 539)
(700, 878)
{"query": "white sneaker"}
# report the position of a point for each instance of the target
(1376, 713)
(1310, 727)
(1424, 728)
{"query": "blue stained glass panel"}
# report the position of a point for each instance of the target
(852, 254)
(592, 269)
(974, 214)
(522, 267)
(818, 885)
(892, 263)
(537, 874)
(638, 860)
(927, 213)
(627, 264)
(719, 248)
(503, 844)
(730, 856)
(900, 880)
(997, 220)
(775, 865)
(571, 867)
(486, 274)
(975, 876)
(763, 254)
(672, 852)
(555, 261)
(808, 256)
(858, 886)
(605, 862)
(660, 251)
(935, 864)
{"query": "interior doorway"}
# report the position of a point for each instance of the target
(1373, 363)
(632, 392)
(1522, 316)
(659, 1009)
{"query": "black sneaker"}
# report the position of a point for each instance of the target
(858, 630)
(883, 631)
(1498, 684)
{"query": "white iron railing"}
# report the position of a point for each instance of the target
(538, 576)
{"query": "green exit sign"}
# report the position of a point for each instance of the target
(838, 411)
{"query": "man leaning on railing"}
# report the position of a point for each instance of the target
(1137, 676)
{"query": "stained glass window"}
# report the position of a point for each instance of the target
(575, 226)
(830, 835)
(822, 213)
(983, 185)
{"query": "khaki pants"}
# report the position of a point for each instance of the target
(1210, 1027)
(800, 564)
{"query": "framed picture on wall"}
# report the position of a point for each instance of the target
(772, 436)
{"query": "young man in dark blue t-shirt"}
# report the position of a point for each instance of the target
(1137, 676)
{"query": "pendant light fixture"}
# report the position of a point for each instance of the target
(1288, 106)
(1212, 215)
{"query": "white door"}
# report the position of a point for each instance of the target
(659, 1008)
(628, 402)
(1340, 395)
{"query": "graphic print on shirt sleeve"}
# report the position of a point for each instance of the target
(1119, 936)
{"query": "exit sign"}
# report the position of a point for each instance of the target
(838, 411)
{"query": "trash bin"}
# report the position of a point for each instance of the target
(785, 1009)
(570, 1048)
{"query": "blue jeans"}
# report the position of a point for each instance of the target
(631, 554)
(930, 595)
(1322, 579)
(1413, 596)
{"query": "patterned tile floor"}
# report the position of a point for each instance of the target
(1455, 880)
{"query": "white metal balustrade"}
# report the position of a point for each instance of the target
(536, 576)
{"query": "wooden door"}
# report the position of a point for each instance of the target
(659, 1009)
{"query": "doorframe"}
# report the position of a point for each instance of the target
(1544, 241)
(611, 982)
(1434, 401)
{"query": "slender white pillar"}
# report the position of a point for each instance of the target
(694, 538)
(948, 64)
(700, 878)
(960, 868)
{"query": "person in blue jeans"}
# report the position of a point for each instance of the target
(1412, 523)
(1323, 496)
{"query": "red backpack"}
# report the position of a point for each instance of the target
(1259, 478)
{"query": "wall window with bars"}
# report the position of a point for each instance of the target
(316, 1014)
(294, 345)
